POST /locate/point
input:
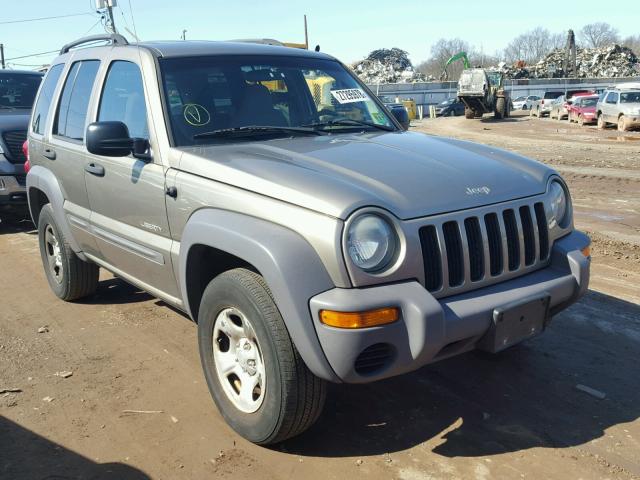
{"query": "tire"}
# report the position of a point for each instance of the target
(601, 123)
(524, 107)
(469, 114)
(580, 121)
(622, 124)
(501, 106)
(285, 398)
(69, 277)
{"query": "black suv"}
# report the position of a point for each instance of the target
(17, 93)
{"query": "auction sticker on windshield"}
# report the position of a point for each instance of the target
(350, 95)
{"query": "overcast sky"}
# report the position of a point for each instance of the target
(347, 29)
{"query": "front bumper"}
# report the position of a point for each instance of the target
(431, 329)
(12, 191)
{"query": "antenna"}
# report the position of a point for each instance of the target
(306, 34)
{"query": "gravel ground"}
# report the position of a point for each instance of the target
(520, 414)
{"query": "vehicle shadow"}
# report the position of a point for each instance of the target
(14, 223)
(114, 291)
(478, 405)
(27, 455)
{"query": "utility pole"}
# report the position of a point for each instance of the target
(306, 34)
(2, 55)
(108, 5)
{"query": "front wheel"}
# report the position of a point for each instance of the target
(580, 121)
(255, 374)
(622, 124)
(601, 123)
(469, 114)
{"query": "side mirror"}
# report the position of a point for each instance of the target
(402, 116)
(111, 139)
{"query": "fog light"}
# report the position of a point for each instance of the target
(586, 251)
(371, 318)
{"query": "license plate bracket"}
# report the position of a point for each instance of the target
(515, 322)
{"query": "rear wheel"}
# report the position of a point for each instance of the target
(256, 377)
(468, 113)
(69, 277)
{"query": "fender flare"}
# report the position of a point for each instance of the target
(44, 180)
(289, 264)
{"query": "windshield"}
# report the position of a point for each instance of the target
(18, 90)
(448, 101)
(520, 99)
(630, 97)
(208, 94)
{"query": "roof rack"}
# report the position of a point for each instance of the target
(115, 39)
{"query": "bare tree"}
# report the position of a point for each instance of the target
(533, 45)
(598, 34)
(632, 42)
(443, 50)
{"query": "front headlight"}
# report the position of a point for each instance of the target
(558, 199)
(371, 242)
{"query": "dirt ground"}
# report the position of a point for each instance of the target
(516, 415)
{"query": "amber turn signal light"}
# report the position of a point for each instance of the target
(586, 251)
(371, 318)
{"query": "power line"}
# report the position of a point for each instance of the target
(45, 18)
(33, 55)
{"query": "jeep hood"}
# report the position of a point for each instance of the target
(410, 174)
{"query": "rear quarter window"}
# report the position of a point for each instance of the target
(43, 104)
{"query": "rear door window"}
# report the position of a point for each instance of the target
(41, 110)
(123, 98)
(74, 101)
(612, 98)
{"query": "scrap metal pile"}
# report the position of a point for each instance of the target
(387, 66)
(608, 62)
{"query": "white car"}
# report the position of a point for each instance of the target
(524, 102)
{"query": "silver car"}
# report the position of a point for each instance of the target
(269, 195)
(619, 106)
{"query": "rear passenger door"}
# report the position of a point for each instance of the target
(128, 212)
(65, 151)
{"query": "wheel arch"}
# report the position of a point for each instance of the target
(43, 185)
(214, 241)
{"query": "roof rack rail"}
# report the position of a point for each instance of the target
(115, 39)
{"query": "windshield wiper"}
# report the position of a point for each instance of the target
(348, 122)
(253, 129)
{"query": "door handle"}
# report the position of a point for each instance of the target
(49, 153)
(94, 169)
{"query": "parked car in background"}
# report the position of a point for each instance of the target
(310, 237)
(524, 102)
(449, 108)
(583, 110)
(620, 106)
(542, 107)
(17, 92)
(559, 108)
(397, 108)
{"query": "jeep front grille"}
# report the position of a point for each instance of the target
(13, 141)
(469, 251)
